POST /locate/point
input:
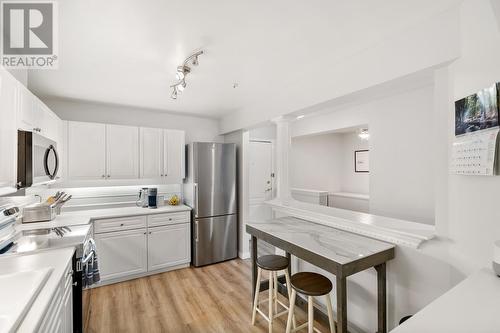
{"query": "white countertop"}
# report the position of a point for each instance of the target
(387, 229)
(471, 306)
(87, 216)
(55, 259)
(340, 246)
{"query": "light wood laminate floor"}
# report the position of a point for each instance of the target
(214, 298)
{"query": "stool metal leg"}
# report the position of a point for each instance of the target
(275, 283)
(289, 291)
(290, 311)
(271, 301)
(256, 298)
(310, 315)
(330, 313)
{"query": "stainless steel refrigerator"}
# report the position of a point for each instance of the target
(210, 189)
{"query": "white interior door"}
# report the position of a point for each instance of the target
(86, 151)
(261, 180)
(122, 151)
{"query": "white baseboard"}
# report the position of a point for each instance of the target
(136, 276)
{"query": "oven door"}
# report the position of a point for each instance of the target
(38, 160)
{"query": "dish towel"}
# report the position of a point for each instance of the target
(90, 265)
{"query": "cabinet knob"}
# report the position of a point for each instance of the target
(144, 233)
(161, 175)
(70, 272)
(121, 224)
(150, 232)
(103, 176)
(109, 176)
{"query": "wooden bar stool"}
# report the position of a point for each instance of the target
(273, 264)
(310, 285)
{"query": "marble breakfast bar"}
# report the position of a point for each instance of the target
(339, 252)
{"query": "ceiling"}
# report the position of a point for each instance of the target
(126, 51)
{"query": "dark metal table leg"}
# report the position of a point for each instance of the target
(382, 298)
(341, 304)
(254, 266)
(289, 256)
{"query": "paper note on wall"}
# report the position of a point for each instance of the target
(475, 153)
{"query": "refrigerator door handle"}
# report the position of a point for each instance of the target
(196, 231)
(195, 199)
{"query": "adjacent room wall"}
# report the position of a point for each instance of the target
(401, 180)
(196, 128)
(353, 182)
(316, 163)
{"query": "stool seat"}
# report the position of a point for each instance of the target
(311, 284)
(272, 262)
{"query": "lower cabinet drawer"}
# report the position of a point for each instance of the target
(157, 220)
(119, 224)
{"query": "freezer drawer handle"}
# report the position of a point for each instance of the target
(196, 231)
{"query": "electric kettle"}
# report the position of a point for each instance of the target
(142, 201)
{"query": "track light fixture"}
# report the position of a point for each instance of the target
(182, 71)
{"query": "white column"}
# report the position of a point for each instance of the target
(283, 145)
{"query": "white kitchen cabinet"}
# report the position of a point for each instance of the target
(86, 151)
(168, 246)
(122, 146)
(151, 156)
(9, 91)
(34, 115)
(174, 156)
(162, 154)
(122, 253)
(59, 315)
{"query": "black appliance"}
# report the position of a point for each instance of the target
(37, 159)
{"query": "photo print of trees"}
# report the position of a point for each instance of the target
(477, 112)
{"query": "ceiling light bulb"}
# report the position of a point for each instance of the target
(363, 134)
(181, 86)
(179, 75)
(174, 94)
(300, 117)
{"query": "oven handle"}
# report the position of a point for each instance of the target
(46, 162)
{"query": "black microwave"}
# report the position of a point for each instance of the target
(37, 159)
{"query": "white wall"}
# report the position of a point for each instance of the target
(401, 180)
(351, 181)
(465, 206)
(315, 162)
(196, 128)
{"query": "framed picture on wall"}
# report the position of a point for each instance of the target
(362, 161)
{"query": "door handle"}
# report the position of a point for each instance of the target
(195, 199)
(196, 231)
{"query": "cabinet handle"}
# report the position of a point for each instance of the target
(70, 272)
(150, 232)
(144, 233)
(121, 224)
(170, 219)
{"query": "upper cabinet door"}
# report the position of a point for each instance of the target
(122, 152)
(86, 151)
(151, 148)
(8, 136)
(27, 116)
(174, 156)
